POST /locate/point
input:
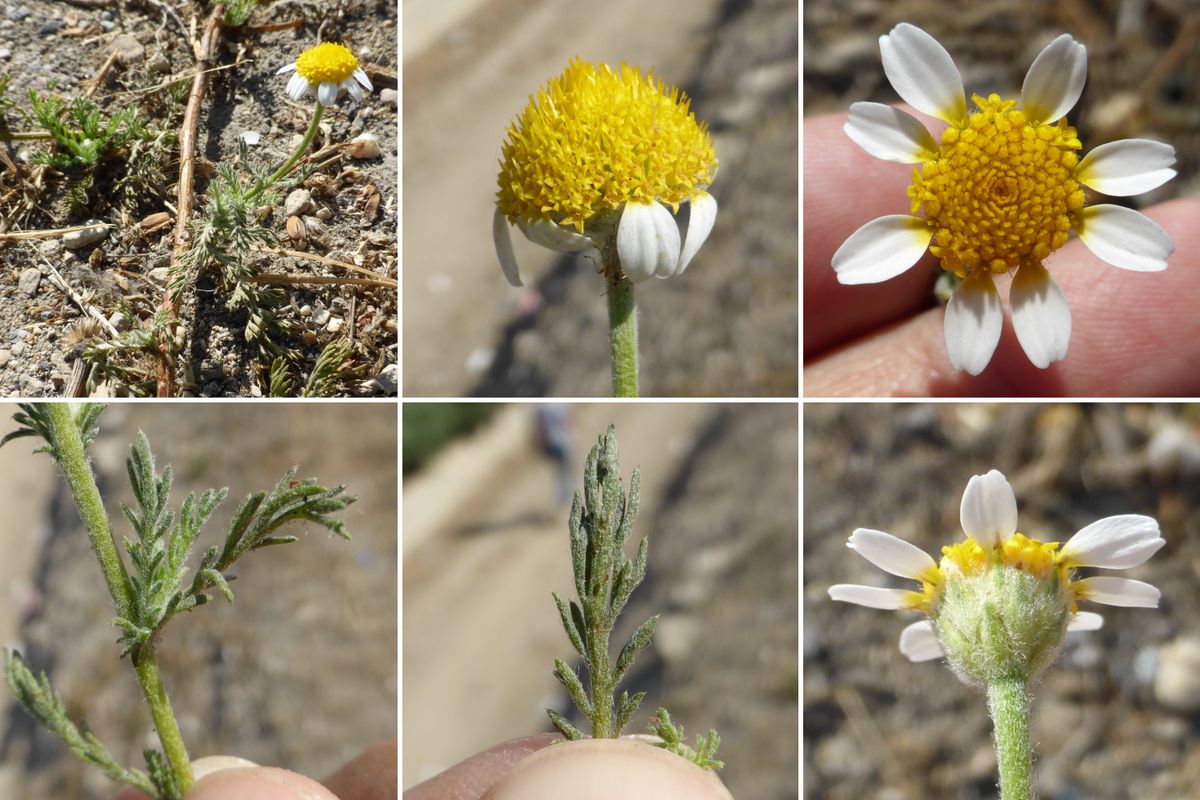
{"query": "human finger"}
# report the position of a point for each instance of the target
(471, 779)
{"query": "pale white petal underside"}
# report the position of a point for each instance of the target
(989, 509)
(889, 133)
(882, 249)
(1085, 621)
(890, 553)
(289, 68)
(647, 241)
(1118, 542)
(1127, 167)
(1124, 592)
(923, 73)
(297, 87)
(871, 596)
(918, 642)
(1055, 80)
(555, 237)
(702, 215)
(1125, 238)
(327, 93)
(1041, 315)
(973, 322)
(362, 78)
(504, 249)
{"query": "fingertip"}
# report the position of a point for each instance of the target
(258, 783)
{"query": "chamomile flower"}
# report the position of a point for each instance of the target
(999, 603)
(1000, 192)
(323, 71)
(600, 162)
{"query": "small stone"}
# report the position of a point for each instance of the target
(18, 348)
(5, 357)
(306, 311)
(335, 324)
(128, 50)
(389, 97)
(364, 146)
(388, 381)
(321, 317)
(87, 236)
(17, 13)
(5, 54)
(51, 27)
(298, 203)
(159, 63)
(50, 247)
(107, 25)
(31, 386)
(296, 141)
(256, 390)
(29, 281)
(1177, 679)
(159, 274)
(120, 321)
(251, 138)
(324, 214)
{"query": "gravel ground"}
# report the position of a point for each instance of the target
(1116, 716)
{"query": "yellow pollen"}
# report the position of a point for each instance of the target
(595, 139)
(1030, 555)
(328, 62)
(1000, 192)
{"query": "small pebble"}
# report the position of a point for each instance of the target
(51, 27)
(5, 357)
(306, 311)
(5, 54)
(50, 247)
(29, 281)
(321, 317)
(159, 274)
(107, 25)
(17, 13)
(389, 97)
(335, 325)
(298, 203)
(251, 138)
(120, 321)
(128, 49)
(18, 348)
(364, 146)
(159, 63)
(324, 214)
(88, 236)
(388, 381)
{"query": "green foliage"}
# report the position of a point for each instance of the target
(84, 137)
(600, 524)
(34, 420)
(6, 105)
(428, 427)
(673, 740)
(238, 11)
(44, 704)
(325, 379)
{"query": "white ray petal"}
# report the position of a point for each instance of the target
(353, 89)
(918, 642)
(882, 249)
(922, 72)
(1127, 167)
(1124, 592)
(559, 238)
(1118, 542)
(889, 133)
(1055, 80)
(891, 554)
(1041, 315)
(289, 68)
(297, 87)
(1085, 621)
(362, 78)
(973, 322)
(647, 241)
(989, 509)
(702, 215)
(504, 249)
(872, 596)
(1125, 238)
(327, 93)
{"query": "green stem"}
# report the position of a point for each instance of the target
(623, 336)
(24, 136)
(72, 457)
(1008, 702)
(146, 664)
(600, 672)
(286, 166)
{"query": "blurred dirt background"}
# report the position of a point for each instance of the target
(485, 542)
(1116, 716)
(62, 48)
(300, 672)
(728, 327)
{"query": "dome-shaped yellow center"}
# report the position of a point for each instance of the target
(594, 139)
(328, 62)
(1001, 192)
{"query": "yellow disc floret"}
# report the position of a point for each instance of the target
(328, 62)
(594, 139)
(1000, 192)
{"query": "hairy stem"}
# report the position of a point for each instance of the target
(1008, 702)
(69, 450)
(286, 166)
(623, 337)
(601, 676)
(146, 664)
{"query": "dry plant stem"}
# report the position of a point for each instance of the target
(623, 337)
(320, 280)
(187, 170)
(332, 262)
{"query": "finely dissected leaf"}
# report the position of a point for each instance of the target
(638, 641)
(569, 624)
(673, 740)
(564, 726)
(44, 704)
(574, 686)
(627, 706)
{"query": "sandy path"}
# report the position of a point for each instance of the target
(470, 77)
(481, 556)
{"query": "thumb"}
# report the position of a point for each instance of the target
(231, 778)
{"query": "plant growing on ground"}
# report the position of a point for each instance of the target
(600, 524)
(999, 604)
(158, 584)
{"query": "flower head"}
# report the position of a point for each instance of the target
(324, 71)
(595, 160)
(998, 602)
(999, 193)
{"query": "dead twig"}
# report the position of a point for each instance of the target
(269, 27)
(50, 233)
(102, 74)
(187, 168)
(330, 262)
(87, 308)
(320, 280)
